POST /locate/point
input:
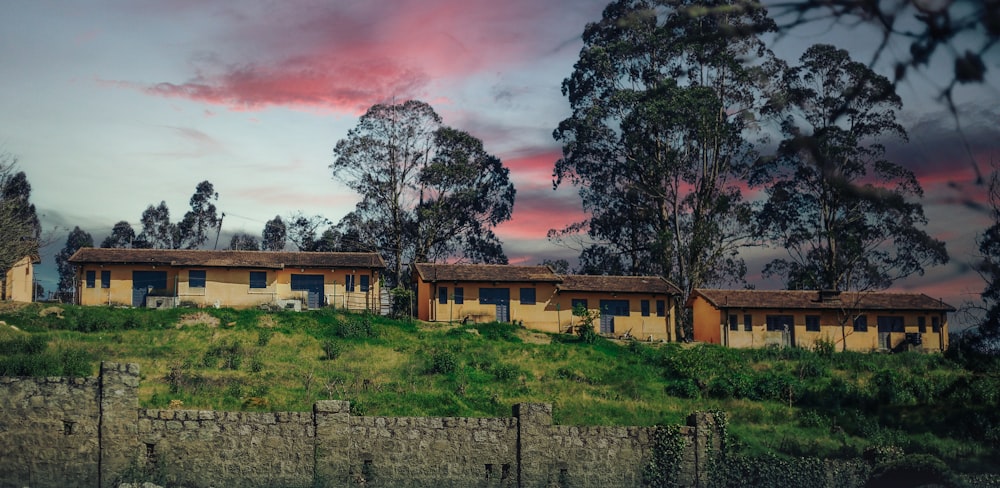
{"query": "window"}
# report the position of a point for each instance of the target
(258, 279)
(644, 305)
(364, 283)
(527, 296)
(661, 308)
(812, 323)
(196, 278)
(748, 322)
(105, 279)
(349, 282)
(935, 324)
(91, 278)
(459, 295)
(922, 324)
(579, 303)
(861, 323)
(443, 295)
(734, 323)
(779, 323)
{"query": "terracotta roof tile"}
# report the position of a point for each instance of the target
(430, 273)
(810, 299)
(620, 284)
(228, 259)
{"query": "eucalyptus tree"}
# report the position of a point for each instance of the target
(20, 230)
(244, 242)
(275, 235)
(848, 217)
(122, 236)
(159, 232)
(663, 98)
(77, 238)
(431, 190)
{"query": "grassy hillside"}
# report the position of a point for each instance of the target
(789, 402)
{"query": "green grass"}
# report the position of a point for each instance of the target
(782, 402)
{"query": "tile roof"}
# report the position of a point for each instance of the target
(228, 259)
(810, 299)
(620, 284)
(484, 272)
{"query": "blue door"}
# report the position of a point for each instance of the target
(499, 297)
(312, 285)
(144, 282)
(609, 310)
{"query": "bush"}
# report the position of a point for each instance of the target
(443, 362)
(358, 327)
(402, 302)
(230, 352)
(506, 372)
(331, 349)
(911, 471)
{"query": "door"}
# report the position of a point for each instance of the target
(144, 282)
(887, 324)
(609, 310)
(499, 297)
(312, 285)
(780, 330)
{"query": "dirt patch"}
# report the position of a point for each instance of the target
(57, 311)
(534, 337)
(198, 318)
(10, 307)
(267, 321)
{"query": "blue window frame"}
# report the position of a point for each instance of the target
(661, 308)
(196, 278)
(443, 295)
(258, 279)
(91, 278)
(527, 296)
(644, 306)
(349, 282)
(748, 322)
(459, 295)
(578, 303)
(935, 324)
(861, 323)
(106, 279)
(922, 324)
(812, 323)
(734, 323)
(364, 283)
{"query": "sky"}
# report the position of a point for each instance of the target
(113, 105)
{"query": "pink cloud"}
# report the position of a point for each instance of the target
(348, 56)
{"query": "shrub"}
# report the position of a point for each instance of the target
(264, 336)
(355, 327)
(402, 302)
(331, 350)
(585, 329)
(913, 470)
(506, 372)
(443, 362)
(230, 352)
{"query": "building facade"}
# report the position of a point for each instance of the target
(18, 283)
(643, 307)
(238, 279)
(849, 320)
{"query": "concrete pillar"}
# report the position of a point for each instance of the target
(332, 420)
(534, 420)
(118, 429)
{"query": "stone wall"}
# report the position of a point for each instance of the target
(90, 432)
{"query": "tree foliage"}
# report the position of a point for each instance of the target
(989, 268)
(847, 216)
(158, 232)
(20, 230)
(122, 237)
(662, 101)
(275, 235)
(432, 191)
(244, 242)
(302, 230)
(77, 238)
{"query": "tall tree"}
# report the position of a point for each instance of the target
(847, 216)
(77, 238)
(275, 235)
(662, 96)
(122, 236)
(193, 229)
(302, 230)
(20, 230)
(157, 230)
(989, 269)
(432, 190)
(244, 242)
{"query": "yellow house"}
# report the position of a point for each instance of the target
(239, 279)
(865, 321)
(19, 281)
(640, 306)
